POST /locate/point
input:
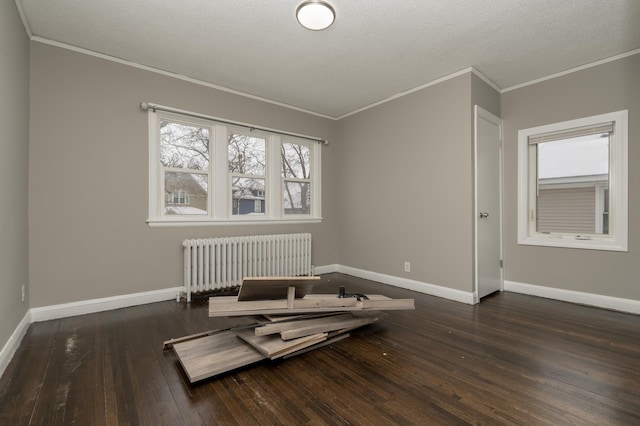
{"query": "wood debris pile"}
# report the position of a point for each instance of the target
(287, 321)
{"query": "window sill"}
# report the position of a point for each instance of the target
(566, 241)
(164, 223)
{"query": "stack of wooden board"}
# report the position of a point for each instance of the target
(290, 322)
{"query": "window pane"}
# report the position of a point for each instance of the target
(297, 198)
(247, 154)
(247, 196)
(184, 146)
(185, 193)
(569, 173)
(295, 161)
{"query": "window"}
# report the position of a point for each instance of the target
(572, 183)
(178, 197)
(202, 171)
(297, 183)
(248, 169)
(184, 163)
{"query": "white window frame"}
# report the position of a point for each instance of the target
(617, 239)
(219, 187)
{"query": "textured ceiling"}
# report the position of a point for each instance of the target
(374, 50)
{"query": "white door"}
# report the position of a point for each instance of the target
(488, 205)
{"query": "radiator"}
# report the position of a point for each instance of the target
(222, 263)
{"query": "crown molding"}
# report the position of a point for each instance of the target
(572, 70)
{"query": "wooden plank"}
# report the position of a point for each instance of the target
(212, 355)
(274, 288)
(326, 301)
(214, 313)
(251, 322)
(229, 303)
(274, 347)
(319, 338)
(327, 326)
(389, 305)
(329, 341)
(276, 328)
(284, 317)
(225, 306)
(291, 294)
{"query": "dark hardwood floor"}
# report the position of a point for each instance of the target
(513, 359)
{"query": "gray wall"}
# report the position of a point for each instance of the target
(14, 166)
(88, 188)
(484, 95)
(605, 88)
(406, 186)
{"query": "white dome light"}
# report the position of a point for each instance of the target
(315, 15)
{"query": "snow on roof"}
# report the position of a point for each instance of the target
(184, 210)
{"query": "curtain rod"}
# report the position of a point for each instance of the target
(149, 106)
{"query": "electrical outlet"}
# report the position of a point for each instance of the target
(407, 266)
(23, 292)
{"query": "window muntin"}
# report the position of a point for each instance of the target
(202, 171)
(572, 189)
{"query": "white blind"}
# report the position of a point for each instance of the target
(592, 129)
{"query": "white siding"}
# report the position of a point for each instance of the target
(567, 210)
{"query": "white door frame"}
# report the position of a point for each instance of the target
(481, 112)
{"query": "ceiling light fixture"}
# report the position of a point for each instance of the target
(315, 15)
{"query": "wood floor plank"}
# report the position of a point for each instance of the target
(20, 391)
(72, 387)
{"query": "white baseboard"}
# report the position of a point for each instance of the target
(419, 286)
(590, 299)
(12, 344)
(326, 269)
(46, 313)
